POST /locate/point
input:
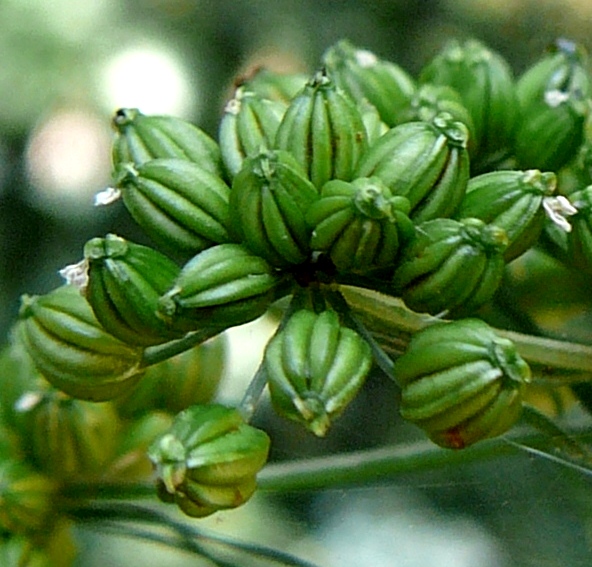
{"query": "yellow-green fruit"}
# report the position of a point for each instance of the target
(208, 460)
(27, 498)
(461, 383)
(72, 350)
(65, 438)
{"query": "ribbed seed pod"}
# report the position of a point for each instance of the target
(461, 383)
(248, 126)
(141, 138)
(323, 129)
(208, 460)
(66, 438)
(279, 87)
(180, 205)
(19, 551)
(125, 282)
(269, 198)
(579, 240)
(315, 368)
(362, 75)
(512, 200)
(554, 100)
(427, 162)
(72, 351)
(27, 498)
(452, 266)
(430, 100)
(484, 81)
(189, 378)
(360, 225)
(223, 286)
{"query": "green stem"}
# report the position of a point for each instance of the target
(384, 362)
(348, 469)
(191, 539)
(160, 353)
(392, 324)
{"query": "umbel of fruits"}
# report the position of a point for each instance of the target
(208, 459)
(461, 383)
(315, 367)
(361, 225)
(72, 350)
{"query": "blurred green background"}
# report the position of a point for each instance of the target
(67, 65)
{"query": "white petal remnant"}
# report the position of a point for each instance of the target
(76, 274)
(107, 196)
(555, 97)
(365, 58)
(557, 209)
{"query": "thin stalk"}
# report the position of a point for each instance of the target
(383, 361)
(342, 470)
(160, 353)
(392, 324)
(194, 538)
(255, 389)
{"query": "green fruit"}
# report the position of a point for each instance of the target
(208, 460)
(223, 286)
(484, 81)
(425, 162)
(315, 368)
(65, 438)
(323, 129)
(125, 282)
(512, 200)
(553, 96)
(461, 383)
(180, 205)
(248, 126)
(270, 196)
(362, 75)
(451, 266)
(430, 100)
(71, 349)
(360, 225)
(141, 138)
(27, 498)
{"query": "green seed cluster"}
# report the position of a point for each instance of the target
(421, 188)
